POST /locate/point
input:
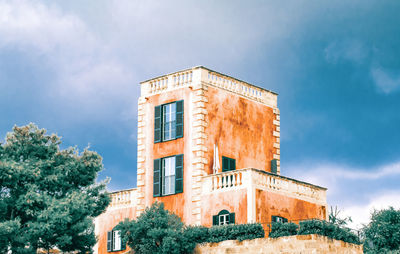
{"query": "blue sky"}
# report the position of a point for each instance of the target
(74, 67)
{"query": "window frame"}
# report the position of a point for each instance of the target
(224, 217)
(111, 241)
(164, 123)
(159, 176)
(177, 125)
(163, 176)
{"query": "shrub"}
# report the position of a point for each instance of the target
(235, 232)
(279, 229)
(156, 230)
(196, 234)
(327, 229)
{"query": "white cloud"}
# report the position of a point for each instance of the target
(85, 71)
(330, 172)
(355, 191)
(385, 81)
(361, 214)
(33, 26)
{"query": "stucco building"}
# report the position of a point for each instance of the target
(209, 149)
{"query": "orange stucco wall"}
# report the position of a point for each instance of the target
(107, 221)
(233, 201)
(272, 204)
(242, 128)
(176, 202)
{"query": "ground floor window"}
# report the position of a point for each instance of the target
(224, 217)
(114, 241)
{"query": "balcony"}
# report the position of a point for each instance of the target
(258, 179)
(123, 198)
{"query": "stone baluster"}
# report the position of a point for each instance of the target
(228, 180)
(219, 182)
(234, 179)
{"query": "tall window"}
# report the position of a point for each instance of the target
(114, 241)
(168, 180)
(223, 217)
(168, 121)
(168, 176)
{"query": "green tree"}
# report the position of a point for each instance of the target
(382, 234)
(48, 196)
(157, 231)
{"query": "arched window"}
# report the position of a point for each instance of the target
(224, 217)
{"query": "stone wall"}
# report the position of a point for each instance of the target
(289, 244)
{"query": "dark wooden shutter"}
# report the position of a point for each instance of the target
(157, 124)
(179, 119)
(274, 166)
(232, 164)
(215, 220)
(109, 241)
(157, 178)
(179, 173)
(273, 218)
(225, 164)
(232, 218)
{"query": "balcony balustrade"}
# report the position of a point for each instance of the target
(254, 178)
(123, 198)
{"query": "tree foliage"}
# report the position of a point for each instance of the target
(156, 231)
(382, 234)
(48, 196)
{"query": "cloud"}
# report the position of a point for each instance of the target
(350, 50)
(385, 81)
(361, 214)
(180, 34)
(31, 25)
(356, 191)
(328, 174)
(84, 70)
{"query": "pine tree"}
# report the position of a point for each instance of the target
(48, 196)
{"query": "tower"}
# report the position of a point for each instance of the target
(182, 116)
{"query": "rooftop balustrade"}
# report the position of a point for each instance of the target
(198, 75)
